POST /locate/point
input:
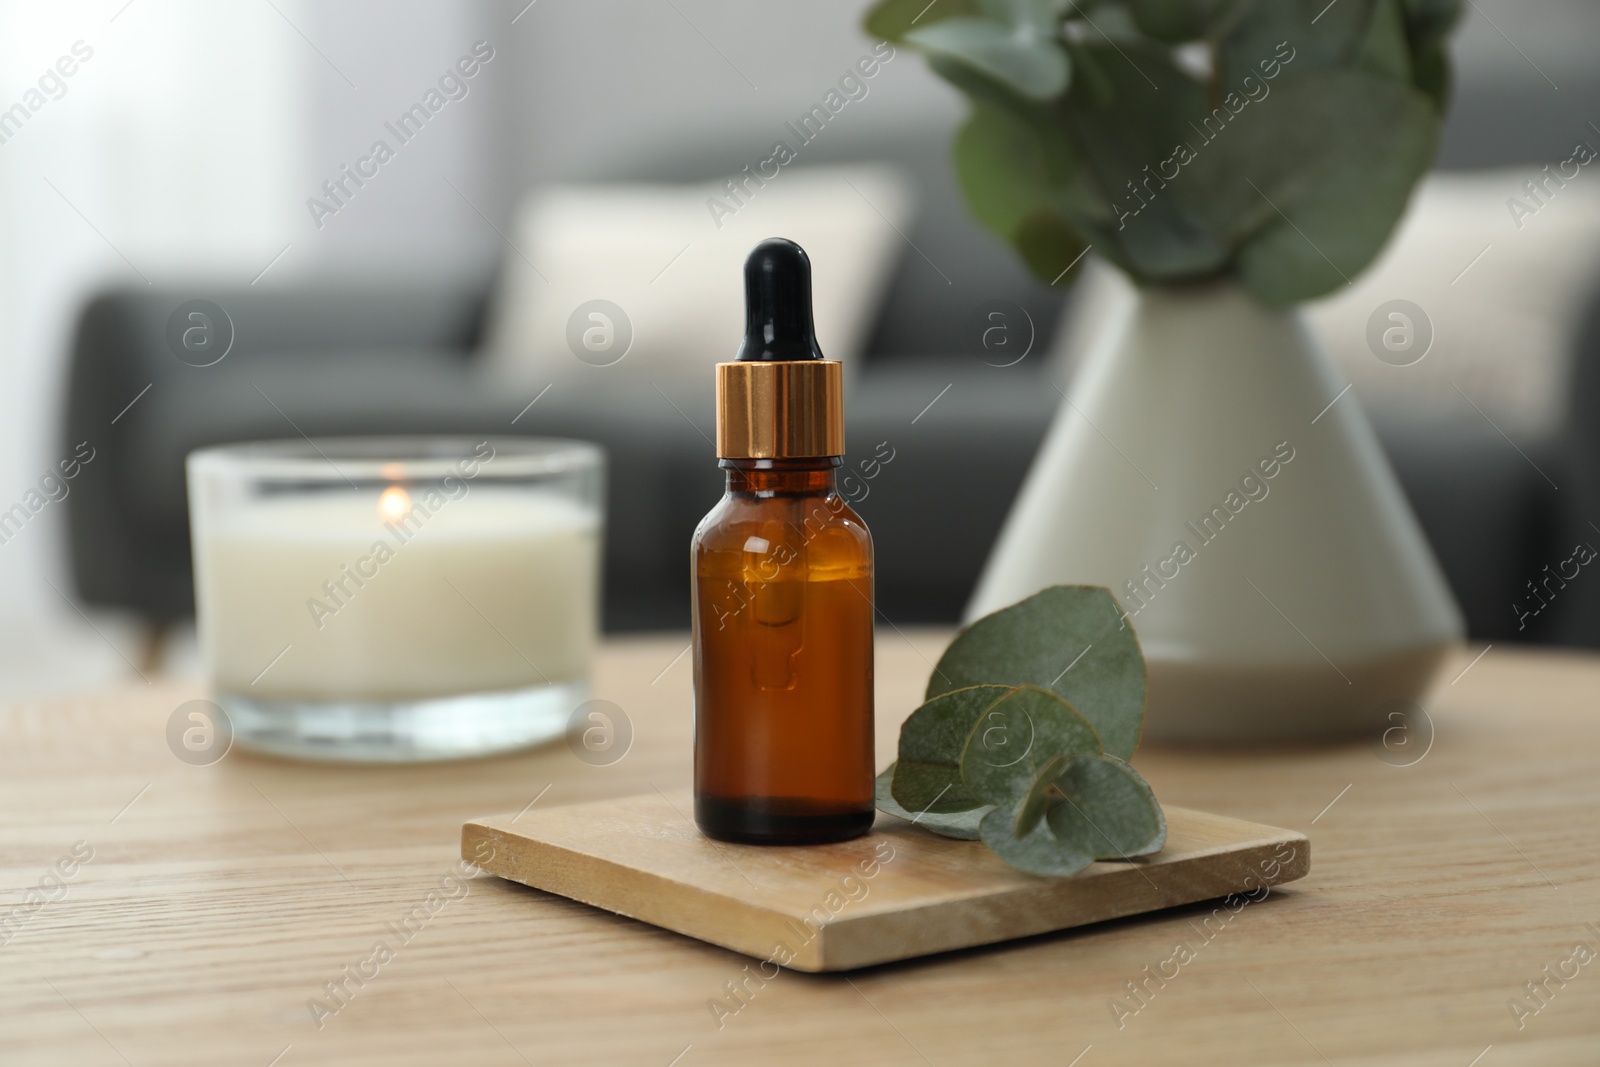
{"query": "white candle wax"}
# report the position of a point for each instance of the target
(353, 595)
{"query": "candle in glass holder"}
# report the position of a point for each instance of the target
(376, 593)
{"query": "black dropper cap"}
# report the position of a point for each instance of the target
(777, 304)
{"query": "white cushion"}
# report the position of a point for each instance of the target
(659, 253)
(1504, 326)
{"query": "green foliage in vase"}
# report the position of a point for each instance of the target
(1022, 743)
(1272, 141)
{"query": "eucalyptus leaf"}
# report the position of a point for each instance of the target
(891, 20)
(1336, 135)
(963, 825)
(1038, 17)
(1429, 22)
(1029, 61)
(1177, 21)
(1071, 639)
(1104, 809)
(1431, 73)
(1089, 132)
(1157, 230)
(1094, 85)
(1015, 764)
(1015, 738)
(1385, 49)
(1037, 852)
(1049, 245)
(1299, 34)
(1022, 173)
(1373, 137)
(1042, 793)
(927, 775)
(1003, 168)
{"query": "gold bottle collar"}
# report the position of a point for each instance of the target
(782, 409)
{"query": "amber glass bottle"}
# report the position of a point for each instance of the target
(782, 590)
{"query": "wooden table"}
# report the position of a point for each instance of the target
(219, 900)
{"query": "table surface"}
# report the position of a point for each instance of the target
(219, 902)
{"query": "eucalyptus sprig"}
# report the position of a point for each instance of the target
(1030, 717)
(1273, 141)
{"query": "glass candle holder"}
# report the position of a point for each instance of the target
(397, 598)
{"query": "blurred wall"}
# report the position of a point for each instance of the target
(185, 144)
(375, 59)
(1527, 82)
(601, 89)
(604, 88)
(169, 148)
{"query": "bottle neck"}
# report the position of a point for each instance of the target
(773, 476)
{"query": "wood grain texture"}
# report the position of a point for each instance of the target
(225, 897)
(894, 894)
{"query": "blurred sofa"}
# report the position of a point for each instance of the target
(332, 357)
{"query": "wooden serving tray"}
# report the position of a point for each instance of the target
(896, 893)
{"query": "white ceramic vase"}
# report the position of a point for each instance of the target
(1255, 535)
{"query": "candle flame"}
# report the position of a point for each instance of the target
(394, 504)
